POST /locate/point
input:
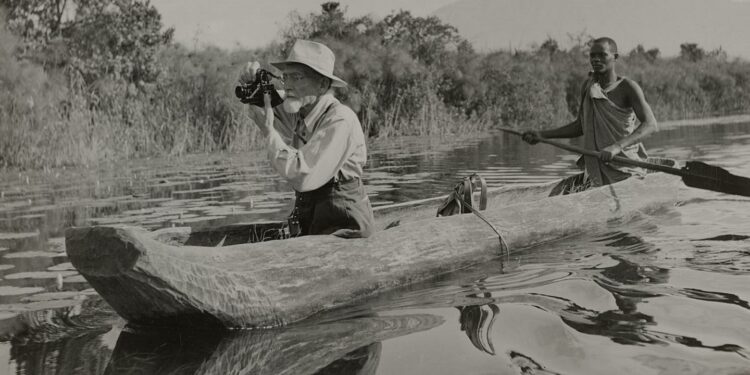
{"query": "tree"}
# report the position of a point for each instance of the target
(36, 21)
(691, 52)
(549, 47)
(330, 24)
(96, 38)
(428, 39)
(718, 54)
(116, 37)
(640, 52)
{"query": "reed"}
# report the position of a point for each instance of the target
(51, 116)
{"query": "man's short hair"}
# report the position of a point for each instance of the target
(607, 40)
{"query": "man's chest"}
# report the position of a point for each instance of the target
(619, 96)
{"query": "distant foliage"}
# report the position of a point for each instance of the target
(395, 67)
(96, 38)
(691, 52)
(86, 81)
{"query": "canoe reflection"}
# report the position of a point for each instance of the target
(81, 355)
(341, 347)
(362, 361)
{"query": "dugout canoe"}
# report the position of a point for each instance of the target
(159, 278)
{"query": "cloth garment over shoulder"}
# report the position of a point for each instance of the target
(332, 144)
(605, 123)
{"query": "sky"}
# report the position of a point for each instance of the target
(255, 23)
(489, 24)
(664, 24)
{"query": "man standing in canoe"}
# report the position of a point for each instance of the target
(606, 119)
(317, 144)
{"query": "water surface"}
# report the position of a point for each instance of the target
(666, 293)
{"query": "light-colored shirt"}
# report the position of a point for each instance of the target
(335, 145)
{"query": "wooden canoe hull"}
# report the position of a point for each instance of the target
(280, 282)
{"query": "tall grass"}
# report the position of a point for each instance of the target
(431, 118)
(50, 116)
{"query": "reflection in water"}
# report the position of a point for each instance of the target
(616, 298)
(72, 343)
(626, 325)
(706, 295)
(726, 237)
(80, 355)
(344, 347)
(477, 321)
(649, 298)
(632, 283)
(528, 365)
(362, 361)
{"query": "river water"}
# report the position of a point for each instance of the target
(666, 293)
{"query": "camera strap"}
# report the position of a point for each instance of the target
(299, 139)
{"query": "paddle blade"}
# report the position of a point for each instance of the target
(703, 176)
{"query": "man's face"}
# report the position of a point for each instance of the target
(601, 57)
(300, 81)
(301, 86)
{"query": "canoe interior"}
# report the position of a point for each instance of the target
(385, 216)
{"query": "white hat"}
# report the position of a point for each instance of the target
(314, 55)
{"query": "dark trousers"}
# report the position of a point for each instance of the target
(341, 208)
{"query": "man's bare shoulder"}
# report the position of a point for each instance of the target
(632, 87)
(626, 93)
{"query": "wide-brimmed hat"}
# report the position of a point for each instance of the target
(316, 56)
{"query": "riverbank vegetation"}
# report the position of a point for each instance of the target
(85, 81)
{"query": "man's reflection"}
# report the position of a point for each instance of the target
(624, 281)
(628, 282)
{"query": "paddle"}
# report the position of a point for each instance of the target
(694, 174)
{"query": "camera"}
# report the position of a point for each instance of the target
(252, 93)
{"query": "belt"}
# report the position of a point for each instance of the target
(326, 190)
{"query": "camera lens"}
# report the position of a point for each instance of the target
(239, 91)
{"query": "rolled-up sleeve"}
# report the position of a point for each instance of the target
(315, 163)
